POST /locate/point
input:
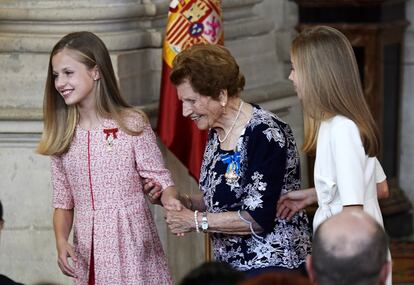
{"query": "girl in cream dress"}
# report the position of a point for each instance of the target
(338, 127)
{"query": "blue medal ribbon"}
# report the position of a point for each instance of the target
(233, 161)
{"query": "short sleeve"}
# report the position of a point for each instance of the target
(349, 159)
(148, 158)
(265, 174)
(379, 172)
(62, 193)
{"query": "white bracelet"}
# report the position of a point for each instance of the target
(196, 221)
(250, 225)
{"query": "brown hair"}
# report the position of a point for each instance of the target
(330, 85)
(60, 119)
(209, 69)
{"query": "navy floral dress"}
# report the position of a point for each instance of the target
(268, 167)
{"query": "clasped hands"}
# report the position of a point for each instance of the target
(179, 219)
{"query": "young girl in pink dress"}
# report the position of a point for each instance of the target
(101, 149)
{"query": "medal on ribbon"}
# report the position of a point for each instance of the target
(110, 136)
(232, 174)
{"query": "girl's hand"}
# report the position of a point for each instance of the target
(180, 222)
(169, 200)
(153, 191)
(171, 204)
(292, 202)
(65, 250)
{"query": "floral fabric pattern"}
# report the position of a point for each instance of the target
(269, 167)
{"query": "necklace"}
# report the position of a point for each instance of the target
(232, 126)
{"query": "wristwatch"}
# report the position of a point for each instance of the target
(204, 222)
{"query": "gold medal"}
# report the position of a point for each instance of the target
(233, 168)
(231, 174)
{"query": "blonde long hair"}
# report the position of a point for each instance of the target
(60, 120)
(329, 84)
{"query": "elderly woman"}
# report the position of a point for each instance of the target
(249, 161)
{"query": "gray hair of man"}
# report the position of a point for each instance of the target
(349, 248)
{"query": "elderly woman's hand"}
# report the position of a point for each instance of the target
(180, 222)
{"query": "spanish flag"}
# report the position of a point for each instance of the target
(189, 22)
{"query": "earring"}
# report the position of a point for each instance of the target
(223, 105)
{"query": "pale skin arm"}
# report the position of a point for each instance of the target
(230, 223)
(153, 191)
(382, 190)
(292, 202)
(193, 202)
(62, 224)
(169, 199)
(183, 221)
(226, 223)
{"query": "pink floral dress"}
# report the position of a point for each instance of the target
(100, 177)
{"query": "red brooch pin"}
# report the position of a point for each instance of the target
(110, 136)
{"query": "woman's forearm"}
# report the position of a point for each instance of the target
(193, 201)
(236, 223)
(312, 196)
(232, 223)
(62, 224)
